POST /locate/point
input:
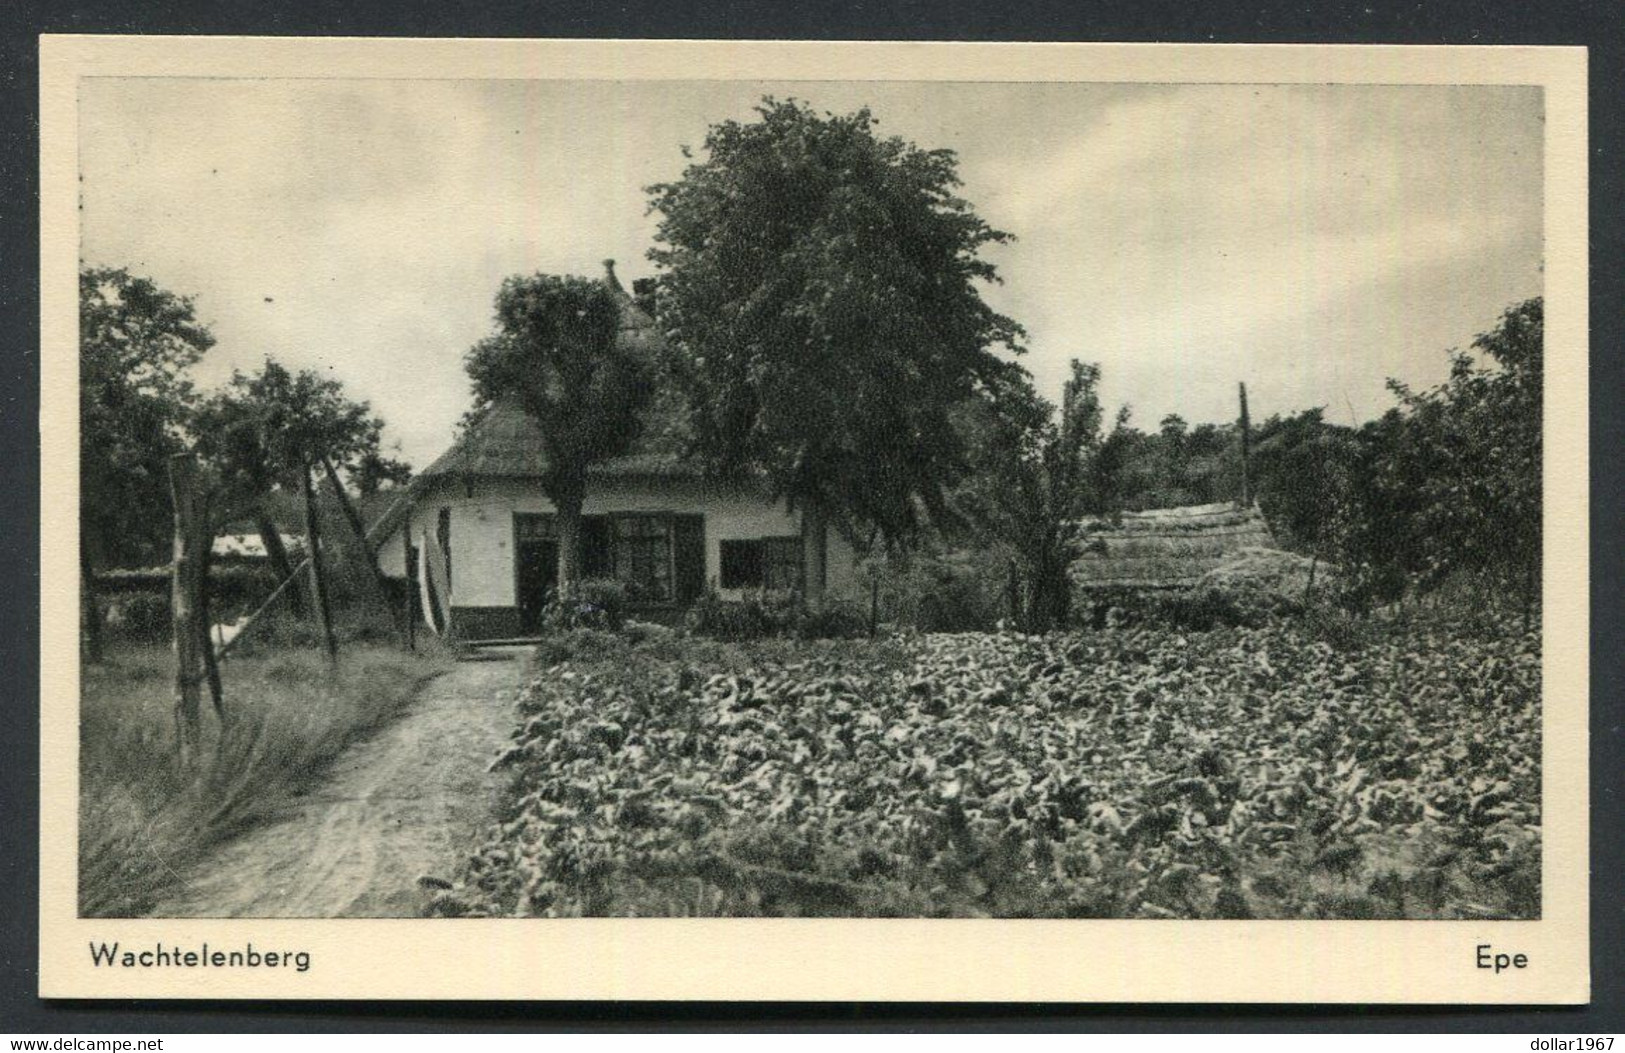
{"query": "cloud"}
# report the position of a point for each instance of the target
(1314, 240)
(1310, 239)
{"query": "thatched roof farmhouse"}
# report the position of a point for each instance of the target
(652, 522)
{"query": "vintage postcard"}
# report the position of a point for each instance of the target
(695, 520)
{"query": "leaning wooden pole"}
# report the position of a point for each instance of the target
(318, 580)
(368, 551)
(204, 621)
(1246, 452)
(184, 569)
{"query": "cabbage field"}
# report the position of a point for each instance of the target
(1132, 773)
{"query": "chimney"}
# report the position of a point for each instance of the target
(609, 275)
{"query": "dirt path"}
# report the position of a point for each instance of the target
(404, 803)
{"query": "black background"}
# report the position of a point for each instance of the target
(1599, 25)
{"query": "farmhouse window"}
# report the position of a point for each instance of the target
(741, 564)
(643, 557)
(756, 563)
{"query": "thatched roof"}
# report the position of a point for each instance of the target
(506, 442)
(1166, 547)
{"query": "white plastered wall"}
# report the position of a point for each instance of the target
(482, 569)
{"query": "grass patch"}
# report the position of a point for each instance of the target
(143, 820)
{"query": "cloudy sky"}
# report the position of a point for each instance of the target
(1311, 241)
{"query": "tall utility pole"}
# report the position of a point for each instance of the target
(1246, 452)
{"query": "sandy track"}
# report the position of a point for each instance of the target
(407, 802)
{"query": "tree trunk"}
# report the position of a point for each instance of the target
(1012, 594)
(90, 608)
(183, 593)
(1051, 598)
(277, 552)
(814, 541)
(318, 583)
(568, 505)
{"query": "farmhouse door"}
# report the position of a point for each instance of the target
(536, 566)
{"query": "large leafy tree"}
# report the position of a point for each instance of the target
(263, 432)
(556, 350)
(136, 344)
(820, 284)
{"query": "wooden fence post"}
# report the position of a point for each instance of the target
(313, 541)
(183, 599)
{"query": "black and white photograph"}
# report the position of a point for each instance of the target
(715, 498)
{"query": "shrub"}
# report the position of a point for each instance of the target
(756, 618)
(1199, 608)
(720, 619)
(235, 587)
(830, 620)
(960, 591)
(1202, 609)
(578, 645)
(142, 616)
(597, 603)
(637, 632)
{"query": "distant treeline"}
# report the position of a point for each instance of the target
(1444, 487)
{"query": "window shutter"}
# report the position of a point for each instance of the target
(689, 555)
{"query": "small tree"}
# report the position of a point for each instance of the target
(1038, 473)
(136, 344)
(556, 350)
(1300, 465)
(1447, 485)
(267, 432)
(820, 283)
(1473, 446)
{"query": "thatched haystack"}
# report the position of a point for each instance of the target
(1283, 574)
(1167, 548)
